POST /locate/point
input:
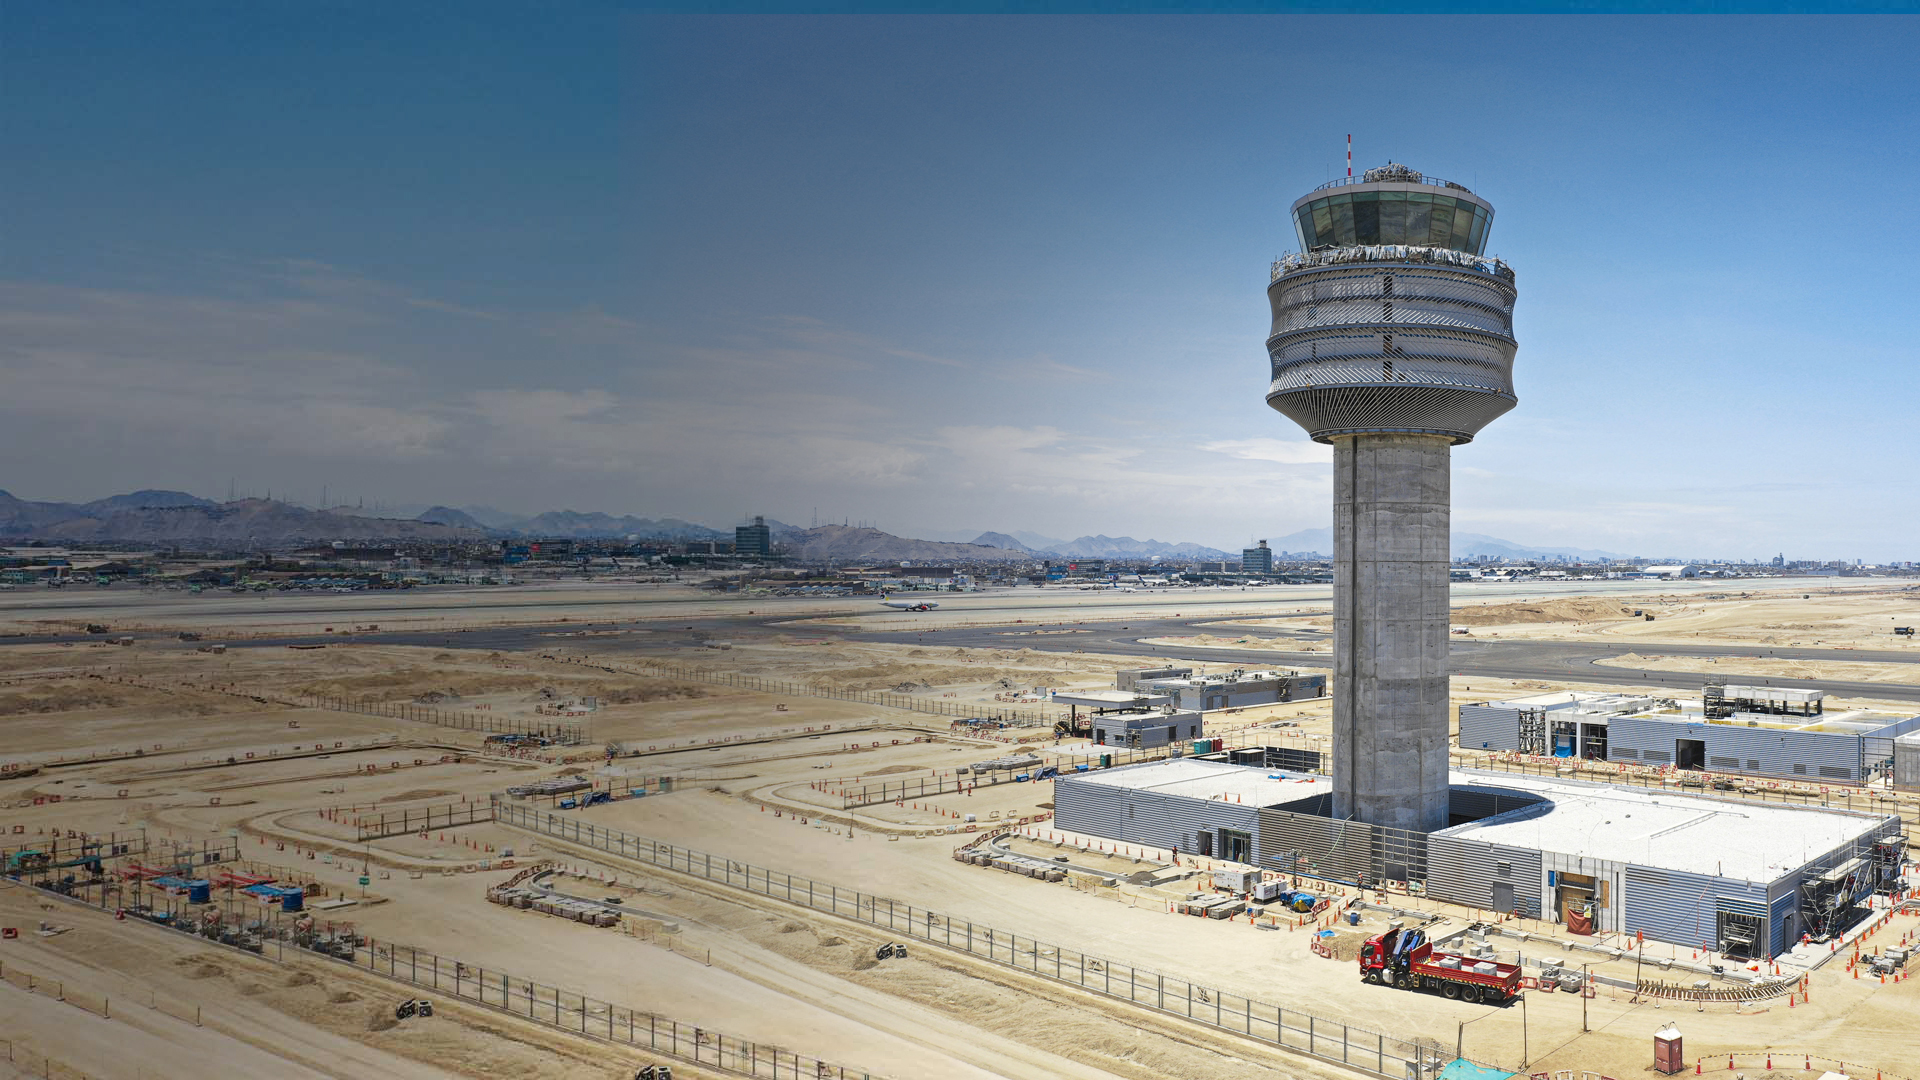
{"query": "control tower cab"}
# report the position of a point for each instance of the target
(1391, 319)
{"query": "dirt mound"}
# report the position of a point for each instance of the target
(56, 699)
(1571, 609)
(420, 793)
(650, 691)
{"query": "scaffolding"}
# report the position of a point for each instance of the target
(1533, 731)
(1828, 896)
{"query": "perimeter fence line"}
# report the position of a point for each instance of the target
(419, 819)
(997, 713)
(267, 931)
(564, 732)
(1331, 1040)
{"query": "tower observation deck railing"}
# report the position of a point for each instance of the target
(1485, 264)
(1377, 176)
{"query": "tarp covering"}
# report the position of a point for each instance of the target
(1462, 1069)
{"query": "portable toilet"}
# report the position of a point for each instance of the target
(199, 892)
(1668, 1057)
(293, 900)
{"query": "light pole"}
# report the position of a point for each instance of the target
(1524, 1053)
(1586, 974)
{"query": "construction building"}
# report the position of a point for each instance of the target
(1906, 763)
(1128, 678)
(1234, 690)
(1143, 728)
(1770, 731)
(1742, 878)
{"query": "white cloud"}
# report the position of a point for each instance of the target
(1280, 451)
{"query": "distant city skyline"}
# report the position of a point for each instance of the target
(945, 274)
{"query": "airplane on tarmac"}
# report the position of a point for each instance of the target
(909, 605)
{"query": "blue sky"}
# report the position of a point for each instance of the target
(944, 274)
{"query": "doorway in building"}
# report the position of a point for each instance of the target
(1690, 754)
(1206, 843)
(1573, 901)
(1593, 742)
(1236, 846)
(1503, 897)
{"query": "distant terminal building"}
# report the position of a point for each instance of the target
(1772, 731)
(1257, 560)
(754, 539)
(1673, 572)
(1741, 878)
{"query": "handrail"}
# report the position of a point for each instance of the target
(1414, 178)
(1405, 253)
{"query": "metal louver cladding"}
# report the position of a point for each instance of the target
(1392, 346)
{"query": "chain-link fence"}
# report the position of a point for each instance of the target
(1298, 1029)
(995, 713)
(564, 731)
(235, 919)
(401, 822)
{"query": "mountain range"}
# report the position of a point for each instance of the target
(175, 517)
(1097, 547)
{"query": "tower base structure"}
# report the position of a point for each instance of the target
(1391, 512)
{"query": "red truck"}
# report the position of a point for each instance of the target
(1404, 958)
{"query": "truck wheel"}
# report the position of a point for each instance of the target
(1471, 993)
(1404, 982)
(1450, 990)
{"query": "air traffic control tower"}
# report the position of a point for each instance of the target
(1393, 341)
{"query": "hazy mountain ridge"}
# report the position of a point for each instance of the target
(840, 543)
(249, 523)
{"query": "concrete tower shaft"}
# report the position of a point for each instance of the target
(1392, 340)
(1391, 508)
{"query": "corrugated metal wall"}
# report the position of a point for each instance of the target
(1683, 908)
(1136, 816)
(1483, 727)
(1462, 871)
(1754, 751)
(1336, 850)
(1878, 747)
(1906, 764)
(1782, 922)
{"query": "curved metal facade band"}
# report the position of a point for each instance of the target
(1397, 346)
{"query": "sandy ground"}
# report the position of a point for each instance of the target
(755, 784)
(1737, 613)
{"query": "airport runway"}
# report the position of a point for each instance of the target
(1546, 661)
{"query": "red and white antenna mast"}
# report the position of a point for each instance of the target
(1349, 157)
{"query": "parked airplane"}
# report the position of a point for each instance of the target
(909, 605)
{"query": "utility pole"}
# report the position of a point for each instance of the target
(1586, 974)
